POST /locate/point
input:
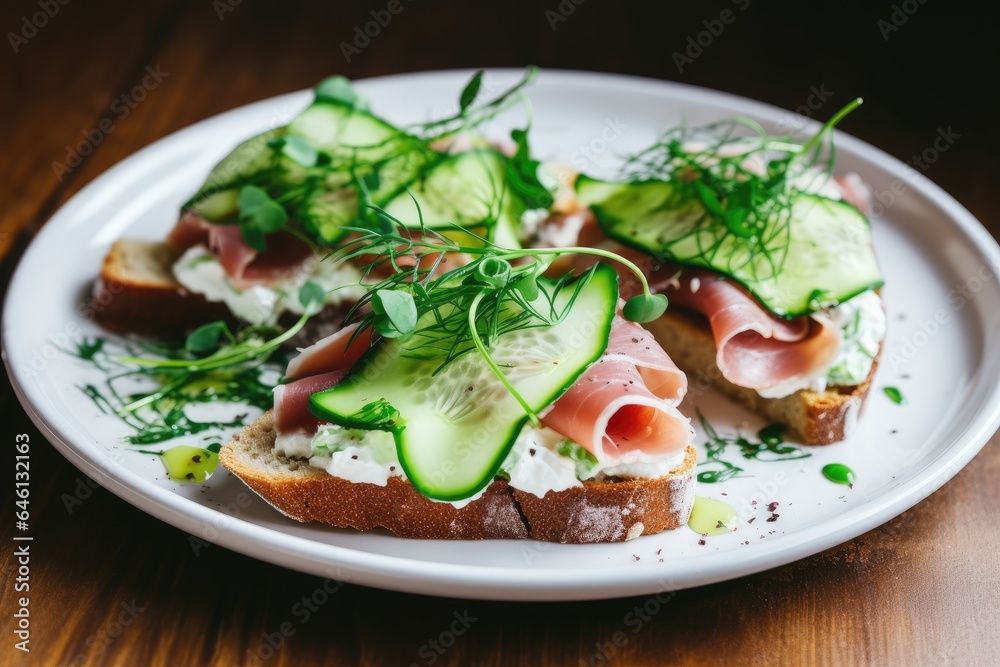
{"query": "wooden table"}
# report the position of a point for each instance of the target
(922, 589)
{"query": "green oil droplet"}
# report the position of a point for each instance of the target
(839, 474)
(712, 517)
(189, 464)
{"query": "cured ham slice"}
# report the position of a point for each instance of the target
(291, 402)
(316, 368)
(754, 348)
(334, 352)
(627, 401)
(285, 253)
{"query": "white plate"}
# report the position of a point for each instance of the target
(930, 247)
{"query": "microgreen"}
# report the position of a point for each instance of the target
(151, 398)
(395, 313)
(522, 173)
(744, 181)
(465, 309)
(259, 216)
(206, 338)
(340, 90)
(470, 91)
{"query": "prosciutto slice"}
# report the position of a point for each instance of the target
(754, 348)
(317, 368)
(627, 401)
(285, 253)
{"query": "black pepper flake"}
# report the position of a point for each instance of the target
(354, 457)
(772, 506)
(894, 431)
(196, 458)
(753, 502)
(190, 475)
(701, 542)
(531, 451)
(719, 524)
(751, 519)
(773, 518)
(659, 551)
(469, 388)
(635, 340)
(635, 557)
(392, 468)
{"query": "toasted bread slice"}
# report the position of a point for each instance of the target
(136, 293)
(606, 511)
(816, 417)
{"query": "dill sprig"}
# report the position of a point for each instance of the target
(213, 364)
(743, 182)
(448, 313)
(771, 448)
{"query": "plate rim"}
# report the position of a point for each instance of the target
(515, 583)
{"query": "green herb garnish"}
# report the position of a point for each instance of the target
(771, 448)
(895, 395)
(472, 305)
(744, 185)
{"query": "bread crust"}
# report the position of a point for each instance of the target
(605, 511)
(816, 417)
(136, 292)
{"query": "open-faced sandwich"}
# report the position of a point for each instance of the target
(484, 371)
(255, 232)
(767, 262)
(486, 401)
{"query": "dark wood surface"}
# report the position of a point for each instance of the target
(922, 589)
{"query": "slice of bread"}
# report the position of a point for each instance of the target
(136, 293)
(816, 417)
(605, 511)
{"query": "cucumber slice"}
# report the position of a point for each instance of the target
(454, 427)
(819, 255)
(216, 199)
(323, 199)
(468, 189)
